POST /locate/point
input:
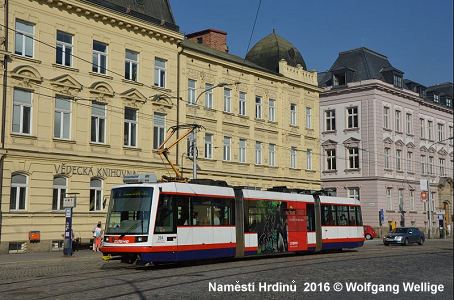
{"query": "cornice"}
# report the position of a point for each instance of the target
(106, 16)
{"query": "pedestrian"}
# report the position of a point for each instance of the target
(97, 237)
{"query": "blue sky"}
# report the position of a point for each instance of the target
(415, 35)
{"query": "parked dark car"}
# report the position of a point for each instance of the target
(404, 236)
(369, 232)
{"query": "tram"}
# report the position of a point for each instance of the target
(166, 222)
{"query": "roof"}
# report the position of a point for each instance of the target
(365, 63)
(271, 49)
(222, 55)
(442, 89)
(157, 12)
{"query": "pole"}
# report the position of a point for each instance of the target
(430, 211)
(194, 154)
(68, 247)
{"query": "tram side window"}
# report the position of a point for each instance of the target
(164, 217)
(253, 216)
(359, 218)
(201, 212)
(342, 215)
(182, 210)
(328, 215)
(222, 212)
(352, 214)
(310, 217)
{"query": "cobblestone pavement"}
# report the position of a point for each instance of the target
(86, 276)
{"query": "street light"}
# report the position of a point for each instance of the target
(194, 133)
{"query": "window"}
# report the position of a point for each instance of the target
(160, 72)
(191, 91)
(339, 79)
(330, 159)
(293, 114)
(64, 48)
(22, 111)
(258, 153)
(412, 200)
(62, 121)
(451, 139)
(441, 162)
(328, 215)
(18, 193)
(271, 110)
(164, 215)
(398, 81)
(293, 157)
(130, 128)
(59, 192)
(227, 148)
(208, 146)
(342, 215)
(227, 100)
(258, 107)
(400, 196)
(131, 65)
(330, 120)
(353, 158)
(409, 162)
(159, 129)
(422, 133)
(242, 104)
(242, 151)
(448, 102)
(272, 155)
(398, 160)
(386, 117)
(352, 117)
(409, 122)
(353, 193)
(441, 132)
(387, 158)
(430, 165)
(308, 118)
(398, 121)
(24, 43)
(436, 98)
(389, 198)
(98, 122)
(309, 159)
(423, 164)
(209, 95)
(96, 203)
(99, 63)
(430, 130)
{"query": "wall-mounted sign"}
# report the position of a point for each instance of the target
(70, 170)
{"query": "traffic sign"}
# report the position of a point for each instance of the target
(69, 202)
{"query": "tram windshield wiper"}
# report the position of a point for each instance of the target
(132, 227)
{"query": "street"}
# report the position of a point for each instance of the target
(373, 271)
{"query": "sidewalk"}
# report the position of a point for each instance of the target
(55, 256)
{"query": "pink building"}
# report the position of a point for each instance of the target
(380, 135)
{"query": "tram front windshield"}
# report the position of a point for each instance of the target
(129, 210)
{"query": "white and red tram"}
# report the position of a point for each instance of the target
(172, 221)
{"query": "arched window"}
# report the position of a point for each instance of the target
(59, 191)
(96, 195)
(18, 192)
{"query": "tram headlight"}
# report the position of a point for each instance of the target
(141, 239)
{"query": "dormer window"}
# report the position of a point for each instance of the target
(199, 40)
(339, 79)
(436, 98)
(448, 102)
(397, 81)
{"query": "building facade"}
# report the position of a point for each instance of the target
(90, 89)
(380, 135)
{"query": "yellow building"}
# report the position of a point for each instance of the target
(89, 89)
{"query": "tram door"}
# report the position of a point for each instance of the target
(165, 236)
(297, 226)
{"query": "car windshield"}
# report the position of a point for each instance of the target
(129, 210)
(400, 230)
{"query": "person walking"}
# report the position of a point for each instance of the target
(97, 237)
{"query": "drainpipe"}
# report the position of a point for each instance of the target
(5, 83)
(180, 51)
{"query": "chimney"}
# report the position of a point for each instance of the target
(213, 38)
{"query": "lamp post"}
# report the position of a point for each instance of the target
(194, 133)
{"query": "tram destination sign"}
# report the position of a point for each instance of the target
(70, 170)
